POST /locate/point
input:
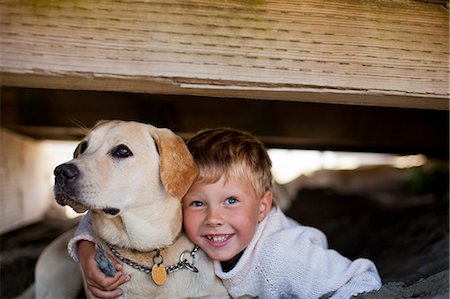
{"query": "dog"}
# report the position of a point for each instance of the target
(131, 177)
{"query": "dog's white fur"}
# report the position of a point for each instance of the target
(147, 188)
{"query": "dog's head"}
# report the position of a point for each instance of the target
(126, 168)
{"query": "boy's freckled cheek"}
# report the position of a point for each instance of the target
(188, 221)
(190, 231)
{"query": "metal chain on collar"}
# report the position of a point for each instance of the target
(183, 263)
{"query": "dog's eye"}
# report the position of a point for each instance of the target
(121, 151)
(81, 148)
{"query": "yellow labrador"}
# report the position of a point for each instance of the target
(132, 176)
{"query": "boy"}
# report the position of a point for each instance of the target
(257, 250)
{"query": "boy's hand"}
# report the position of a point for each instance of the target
(98, 284)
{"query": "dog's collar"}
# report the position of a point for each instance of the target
(158, 261)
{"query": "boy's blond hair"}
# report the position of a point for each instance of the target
(234, 154)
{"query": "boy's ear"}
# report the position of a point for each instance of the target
(265, 205)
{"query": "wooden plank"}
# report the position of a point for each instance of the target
(382, 53)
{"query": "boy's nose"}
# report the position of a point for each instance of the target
(214, 217)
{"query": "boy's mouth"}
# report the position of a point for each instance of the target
(218, 238)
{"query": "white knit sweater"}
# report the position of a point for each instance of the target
(83, 232)
(284, 260)
(288, 260)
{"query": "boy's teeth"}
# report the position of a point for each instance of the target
(218, 238)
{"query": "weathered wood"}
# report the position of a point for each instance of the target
(384, 53)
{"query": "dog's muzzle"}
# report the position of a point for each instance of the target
(66, 193)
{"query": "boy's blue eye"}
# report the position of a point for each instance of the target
(231, 200)
(197, 203)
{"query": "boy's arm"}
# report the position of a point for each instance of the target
(83, 250)
(83, 232)
(312, 270)
(362, 276)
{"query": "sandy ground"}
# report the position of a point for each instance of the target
(408, 240)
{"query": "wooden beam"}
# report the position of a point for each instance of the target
(376, 53)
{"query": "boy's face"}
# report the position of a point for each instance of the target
(222, 217)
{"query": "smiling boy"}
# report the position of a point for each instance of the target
(220, 218)
(257, 250)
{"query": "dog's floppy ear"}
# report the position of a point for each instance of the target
(177, 167)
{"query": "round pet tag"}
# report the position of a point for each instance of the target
(159, 274)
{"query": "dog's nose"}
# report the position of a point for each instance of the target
(66, 173)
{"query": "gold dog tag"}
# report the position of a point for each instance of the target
(159, 274)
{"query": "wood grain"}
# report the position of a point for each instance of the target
(384, 53)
